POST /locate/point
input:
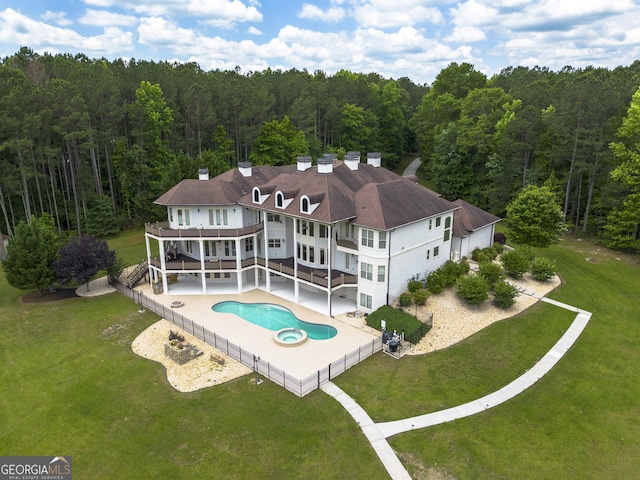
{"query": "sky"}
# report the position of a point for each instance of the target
(394, 38)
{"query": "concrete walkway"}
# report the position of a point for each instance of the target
(377, 433)
(412, 168)
(382, 448)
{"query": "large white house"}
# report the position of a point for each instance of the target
(345, 230)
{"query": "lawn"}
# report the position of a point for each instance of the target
(582, 420)
(72, 387)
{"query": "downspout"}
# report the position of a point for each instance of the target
(388, 265)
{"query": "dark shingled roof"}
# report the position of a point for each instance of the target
(469, 218)
(370, 196)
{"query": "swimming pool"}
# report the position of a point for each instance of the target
(275, 317)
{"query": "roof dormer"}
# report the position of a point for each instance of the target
(260, 194)
(308, 203)
(285, 197)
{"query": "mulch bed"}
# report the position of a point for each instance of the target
(45, 297)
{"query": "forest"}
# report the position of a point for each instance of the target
(93, 142)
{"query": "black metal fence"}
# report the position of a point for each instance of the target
(300, 387)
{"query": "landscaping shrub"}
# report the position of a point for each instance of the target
(475, 254)
(436, 281)
(405, 299)
(420, 296)
(500, 238)
(473, 289)
(492, 272)
(446, 276)
(543, 268)
(515, 262)
(504, 294)
(414, 285)
(464, 266)
(498, 248)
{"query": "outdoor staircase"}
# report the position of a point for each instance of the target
(138, 273)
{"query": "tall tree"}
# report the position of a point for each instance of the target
(623, 223)
(278, 143)
(82, 258)
(535, 218)
(31, 253)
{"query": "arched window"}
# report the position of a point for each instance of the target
(304, 204)
(256, 195)
(279, 200)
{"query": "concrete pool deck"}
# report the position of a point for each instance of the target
(300, 361)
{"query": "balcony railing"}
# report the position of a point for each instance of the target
(162, 230)
(284, 266)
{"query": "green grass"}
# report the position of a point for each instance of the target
(71, 389)
(582, 420)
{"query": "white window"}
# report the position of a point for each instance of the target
(272, 217)
(382, 240)
(312, 254)
(428, 255)
(367, 238)
(323, 258)
(210, 248)
(304, 205)
(256, 195)
(438, 221)
(430, 223)
(447, 229)
(275, 242)
(323, 231)
(381, 273)
(248, 244)
(230, 248)
(366, 271)
(184, 217)
(279, 200)
(170, 214)
(365, 300)
(436, 251)
(218, 217)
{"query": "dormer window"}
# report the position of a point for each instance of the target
(279, 200)
(308, 203)
(256, 195)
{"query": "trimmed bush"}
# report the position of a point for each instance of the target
(492, 272)
(405, 299)
(543, 268)
(436, 282)
(420, 296)
(414, 285)
(504, 294)
(516, 263)
(474, 255)
(473, 289)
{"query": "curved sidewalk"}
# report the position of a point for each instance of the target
(377, 433)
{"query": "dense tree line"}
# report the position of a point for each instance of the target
(93, 142)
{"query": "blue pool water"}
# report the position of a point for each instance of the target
(275, 317)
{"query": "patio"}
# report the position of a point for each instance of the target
(301, 361)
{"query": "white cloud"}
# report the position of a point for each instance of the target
(158, 32)
(16, 28)
(104, 18)
(253, 31)
(57, 17)
(313, 12)
(391, 13)
(466, 34)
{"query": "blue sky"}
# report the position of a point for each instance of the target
(395, 38)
